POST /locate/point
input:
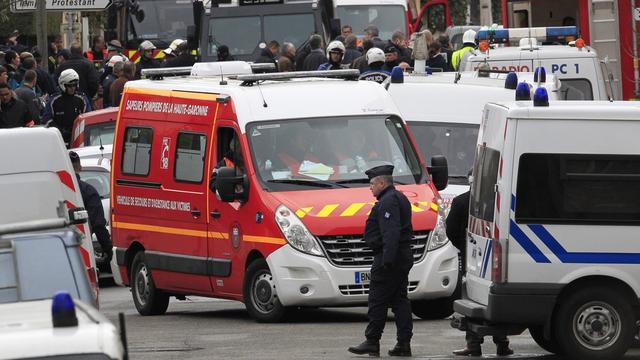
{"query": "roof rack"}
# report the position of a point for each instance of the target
(347, 74)
(209, 69)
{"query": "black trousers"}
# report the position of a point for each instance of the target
(388, 288)
(103, 237)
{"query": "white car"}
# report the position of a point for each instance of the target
(57, 328)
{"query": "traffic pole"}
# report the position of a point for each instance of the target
(41, 32)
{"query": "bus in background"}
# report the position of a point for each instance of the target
(388, 16)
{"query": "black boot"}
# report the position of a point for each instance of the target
(503, 350)
(401, 349)
(370, 347)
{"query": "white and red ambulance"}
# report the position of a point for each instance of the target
(281, 223)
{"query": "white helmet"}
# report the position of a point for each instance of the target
(336, 46)
(146, 45)
(68, 76)
(469, 36)
(115, 59)
(375, 55)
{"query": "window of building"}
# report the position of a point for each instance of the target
(136, 155)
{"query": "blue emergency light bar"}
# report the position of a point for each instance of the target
(553, 33)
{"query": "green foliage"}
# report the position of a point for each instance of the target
(459, 9)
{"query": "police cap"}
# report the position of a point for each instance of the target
(379, 171)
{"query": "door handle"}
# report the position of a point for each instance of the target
(195, 213)
(215, 214)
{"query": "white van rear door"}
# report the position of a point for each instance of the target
(30, 196)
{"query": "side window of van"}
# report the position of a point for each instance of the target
(576, 89)
(190, 155)
(136, 155)
(578, 189)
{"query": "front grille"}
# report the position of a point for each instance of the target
(363, 289)
(351, 250)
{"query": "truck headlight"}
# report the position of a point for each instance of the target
(438, 237)
(296, 233)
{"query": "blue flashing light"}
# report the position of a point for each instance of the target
(540, 97)
(511, 82)
(428, 70)
(540, 73)
(497, 35)
(63, 310)
(397, 75)
(523, 92)
(562, 31)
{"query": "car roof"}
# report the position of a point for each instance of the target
(88, 152)
(23, 324)
(574, 110)
(285, 99)
(515, 53)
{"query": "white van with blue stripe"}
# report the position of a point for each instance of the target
(553, 239)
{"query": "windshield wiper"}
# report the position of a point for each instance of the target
(363, 181)
(316, 183)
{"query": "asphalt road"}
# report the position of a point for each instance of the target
(201, 328)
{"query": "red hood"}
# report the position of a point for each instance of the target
(344, 211)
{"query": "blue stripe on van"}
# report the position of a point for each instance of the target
(513, 203)
(526, 243)
(582, 257)
(487, 255)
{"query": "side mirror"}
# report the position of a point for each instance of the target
(231, 187)
(140, 15)
(78, 216)
(439, 171)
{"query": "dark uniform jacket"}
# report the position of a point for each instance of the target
(457, 220)
(63, 109)
(314, 60)
(15, 113)
(388, 226)
(145, 63)
(88, 82)
(92, 203)
(184, 59)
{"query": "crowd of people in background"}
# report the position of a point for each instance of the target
(72, 80)
(75, 80)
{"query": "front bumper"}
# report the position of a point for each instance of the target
(435, 276)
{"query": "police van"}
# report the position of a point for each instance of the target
(578, 66)
(37, 181)
(251, 187)
(452, 131)
(554, 215)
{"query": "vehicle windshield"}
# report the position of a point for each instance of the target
(165, 20)
(293, 28)
(457, 142)
(98, 179)
(99, 134)
(388, 18)
(330, 152)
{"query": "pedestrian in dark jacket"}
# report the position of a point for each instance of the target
(147, 60)
(13, 112)
(301, 54)
(446, 50)
(269, 53)
(286, 62)
(45, 85)
(404, 53)
(361, 63)
(316, 57)
(372, 33)
(183, 57)
(128, 73)
(12, 64)
(116, 63)
(351, 52)
(88, 83)
(27, 93)
(93, 204)
(388, 232)
(64, 107)
(436, 60)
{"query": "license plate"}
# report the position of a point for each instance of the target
(363, 277)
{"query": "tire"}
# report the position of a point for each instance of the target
(433, 309)
(594, 323)
(260, 296)
(146, 297)
(550, 345)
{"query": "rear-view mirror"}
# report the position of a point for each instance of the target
(230, 186)
(439, 171)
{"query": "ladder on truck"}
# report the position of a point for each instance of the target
(605, 39)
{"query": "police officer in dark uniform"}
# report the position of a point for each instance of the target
(93, 204)
(388, 233)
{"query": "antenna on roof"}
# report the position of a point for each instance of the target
(222, 80)
(264, 102)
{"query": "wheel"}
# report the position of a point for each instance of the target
(594, 323)
(550, 345)
(433, 309)
(147, 299)
(260, 296)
